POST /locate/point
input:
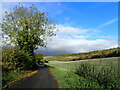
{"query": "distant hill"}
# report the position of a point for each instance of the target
(114, 52)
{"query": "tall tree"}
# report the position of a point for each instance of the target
(27, 28)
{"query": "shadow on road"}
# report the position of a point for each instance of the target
(42, 79)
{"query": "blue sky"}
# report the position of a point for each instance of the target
(81, 24)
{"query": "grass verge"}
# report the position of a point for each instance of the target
(13, 76)
(87, 74)
(71, 80)
(106, 76)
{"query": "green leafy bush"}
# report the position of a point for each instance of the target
(16, 59)
(44, 61)
(39, 57)
(68, 79)
(15, 64)
(106, 76)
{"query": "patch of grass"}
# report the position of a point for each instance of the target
(70, 80)
(106, 76)
(104, 70)
(11, 76)
(73, 64)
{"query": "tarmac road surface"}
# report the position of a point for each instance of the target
(42, 79)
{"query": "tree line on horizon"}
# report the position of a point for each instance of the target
(113, 52)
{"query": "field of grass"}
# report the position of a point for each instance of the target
(73, 64)
(114, 52)
(68, 76)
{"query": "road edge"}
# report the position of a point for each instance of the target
(25, 76)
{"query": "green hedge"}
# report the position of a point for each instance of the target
(16, 59)
(105, 76)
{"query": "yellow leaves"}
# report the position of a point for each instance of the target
(30, 74)
(25, 42)
(12, 51)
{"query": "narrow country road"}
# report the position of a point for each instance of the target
(42, 79)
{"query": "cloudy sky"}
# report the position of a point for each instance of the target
(83, 26)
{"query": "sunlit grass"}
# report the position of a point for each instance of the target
(115, 52)
(68, 79)
(105, 75)
(65, 72)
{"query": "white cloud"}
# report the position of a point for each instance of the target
(106, 37)
(73, 32)
(70, 30)
(61, 46)
(108, 23)
(75, 43)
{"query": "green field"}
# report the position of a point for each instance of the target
(114, 52)
(73, 64)
(67, 78)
